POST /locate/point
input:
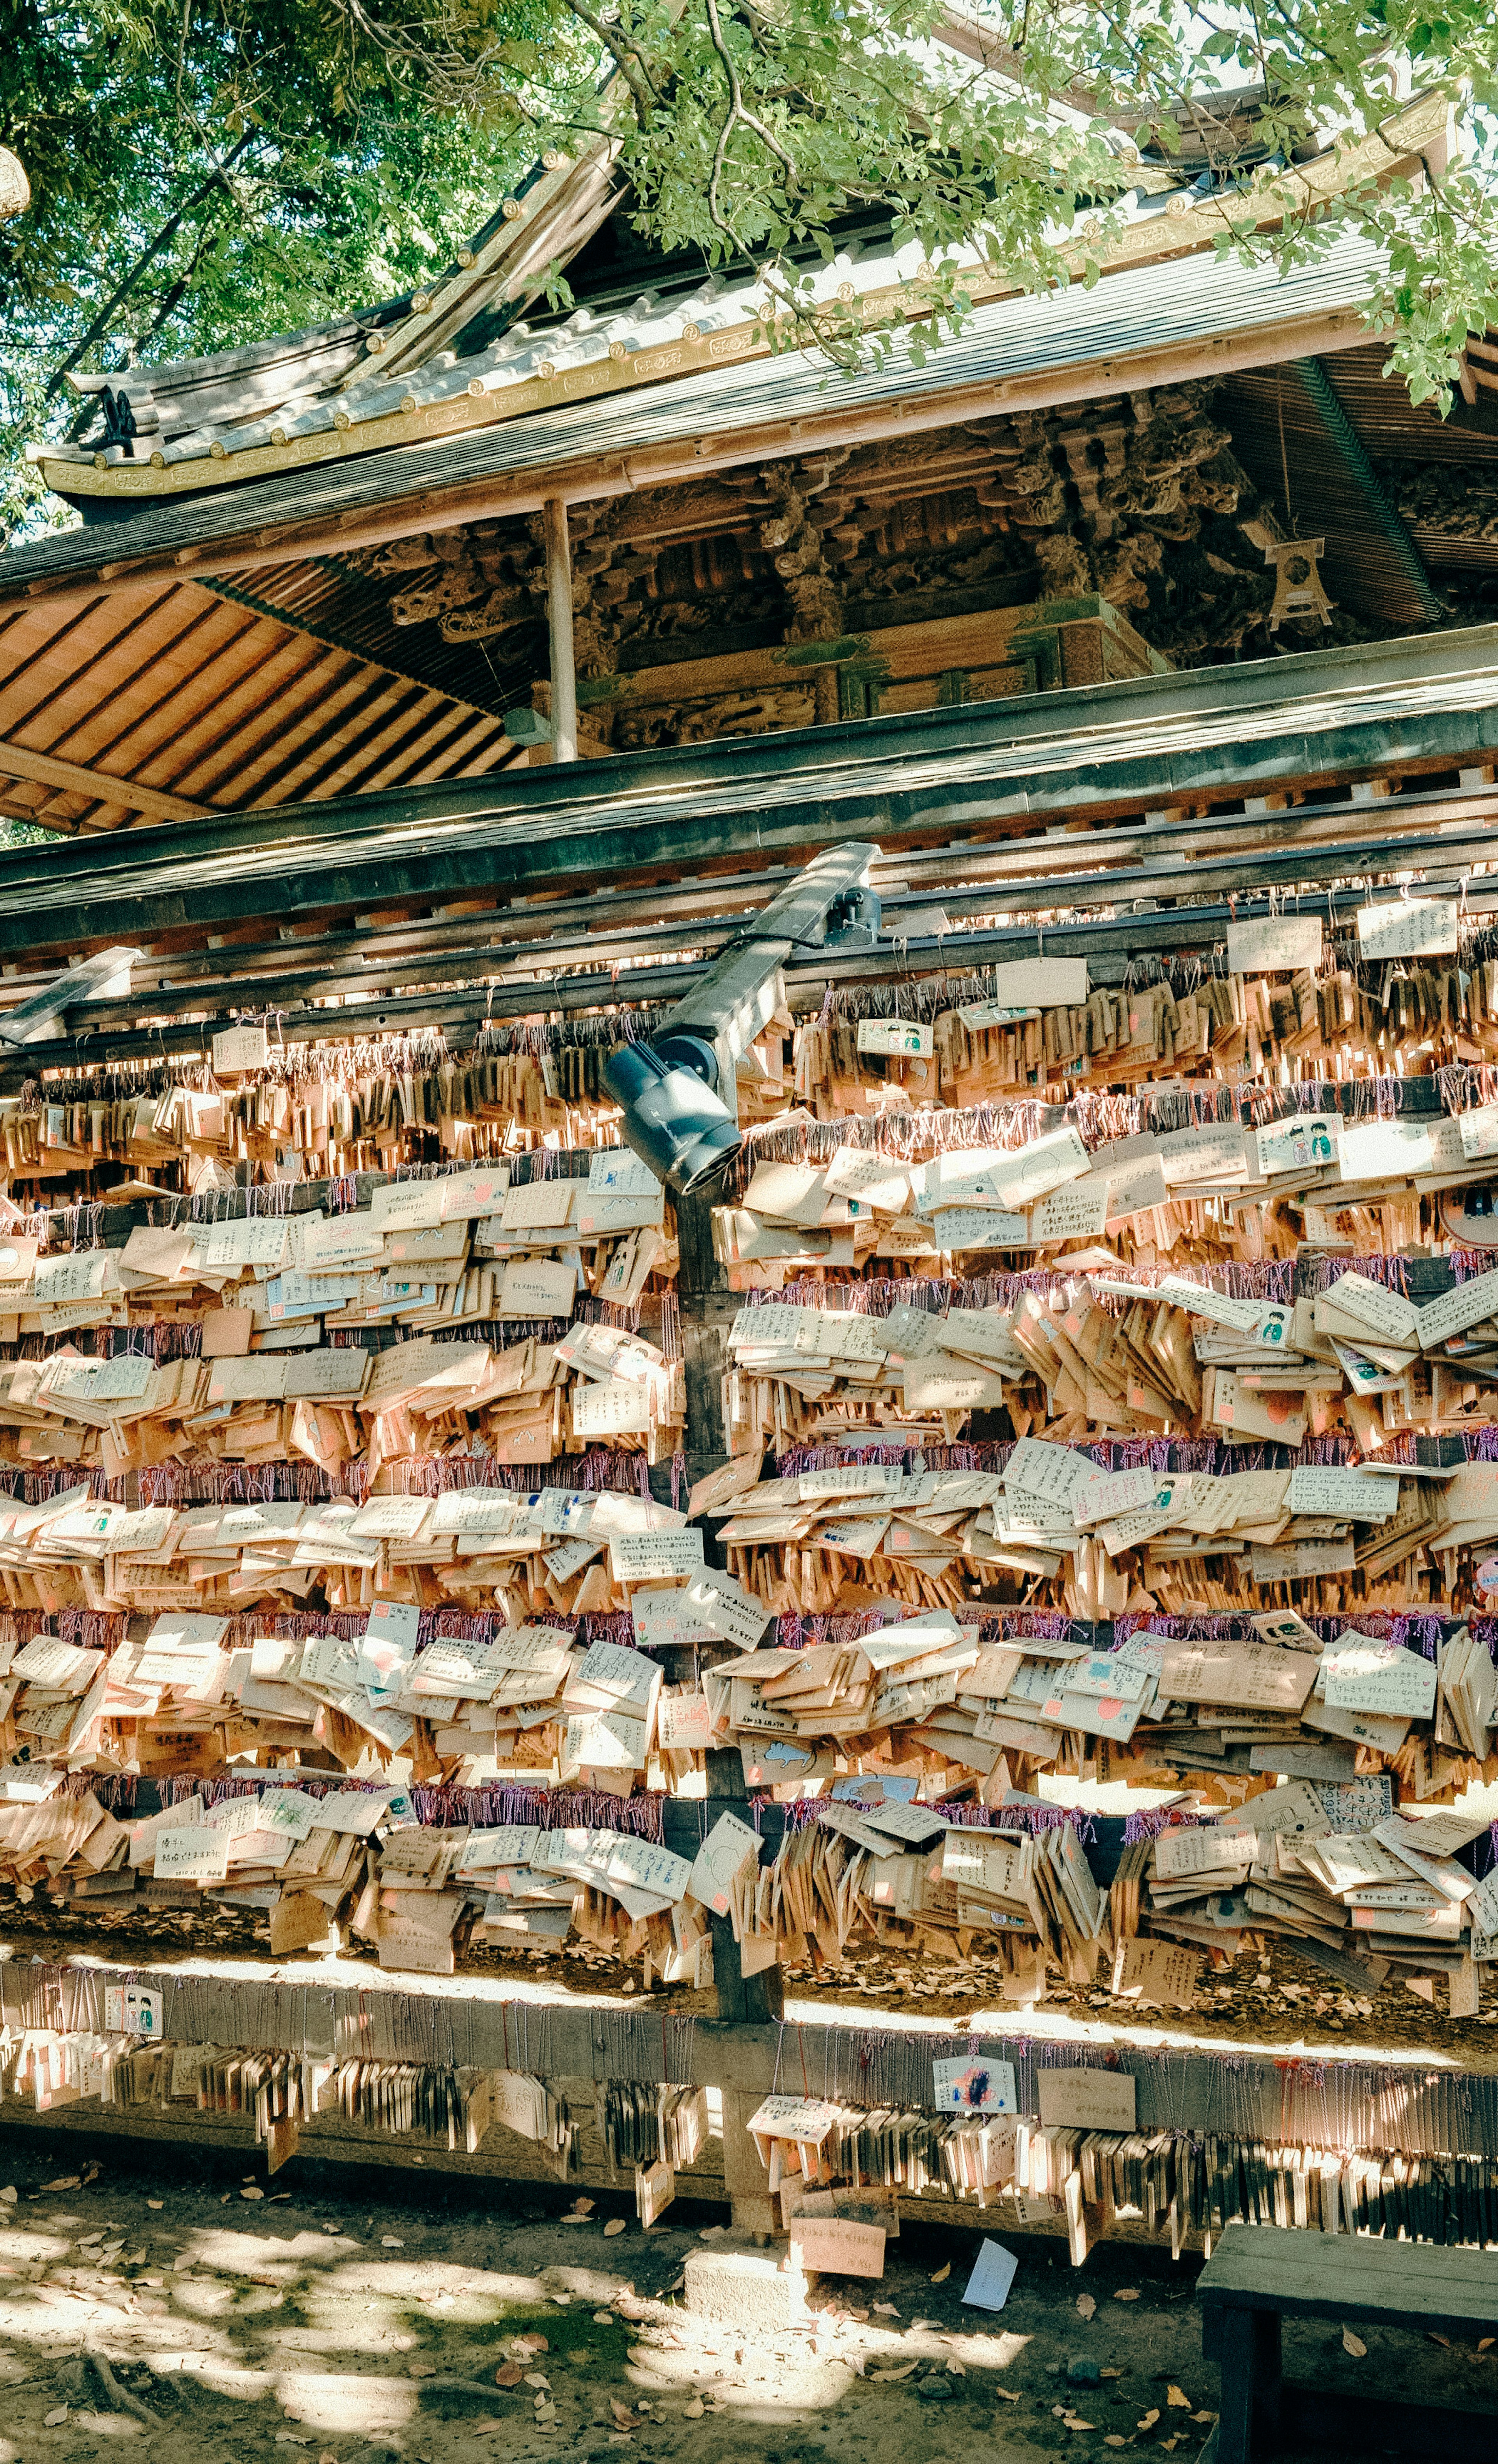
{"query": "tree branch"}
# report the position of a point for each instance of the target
(628, 58)
(99, 326)
(737, 114)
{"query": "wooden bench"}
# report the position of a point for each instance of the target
(1258, 2276)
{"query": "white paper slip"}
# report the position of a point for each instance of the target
(1266, 945)
(619, 1172)
(903, 1036)
(1362, 1675)
(655, 1556)
(988, 2285)
(728, 1845)
(1325, 1488)
(134, 2011)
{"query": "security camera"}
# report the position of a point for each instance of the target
(675, 1117)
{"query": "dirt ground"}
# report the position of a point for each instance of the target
(306, 2319)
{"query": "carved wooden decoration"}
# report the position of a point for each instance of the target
(1135, 505)
(1297, 581)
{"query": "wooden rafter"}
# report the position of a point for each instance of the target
(98, 786)
(170, 703)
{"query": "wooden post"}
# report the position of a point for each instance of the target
(708, 1308)
(745, 2179)
(559, 616)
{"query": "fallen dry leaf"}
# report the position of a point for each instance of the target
(887, 2310)
(622, 2413)
(1445, 2342)
(1354, 2344)
(1483, 2343)
(903, 2372)
(1173, 2396)
(421, 2369)
(1110, 2374)
(291, 2438)
(941, 2276)
(530, 2343)
(602, 2318)
(957, 2369)
(1204, 2416)
(1150, 2418)
(534, 2378)
(53, 2418)
(9, 2195)
(156, 2203)
(615, 2225)
(390, 2241)
(1010, 2395)
(583, 2207)
(1069, 2421)
(1085, 2305)
(695, 2408)
(508, 2374)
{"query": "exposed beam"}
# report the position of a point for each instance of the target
(16, 762)
(1021, 875)
(1111, 943)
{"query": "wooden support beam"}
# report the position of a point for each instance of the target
(491, 991)
(559, 619)
(16, 762)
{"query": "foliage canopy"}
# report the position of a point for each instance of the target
(208, 172)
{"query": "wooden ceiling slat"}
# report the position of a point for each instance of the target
(482, 736)
(30, 631)
(188, 681)
(89, 667)
(388, 723)
(224, 729)
(285, 766)
(427, 734)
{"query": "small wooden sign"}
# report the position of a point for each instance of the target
(834, 2246)
(1090, 2100)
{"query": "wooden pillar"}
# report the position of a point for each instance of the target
(708, 1309)
(747, 2183)
(559, 616)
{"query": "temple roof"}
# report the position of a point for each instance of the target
(468, 353)
(1149, 326)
